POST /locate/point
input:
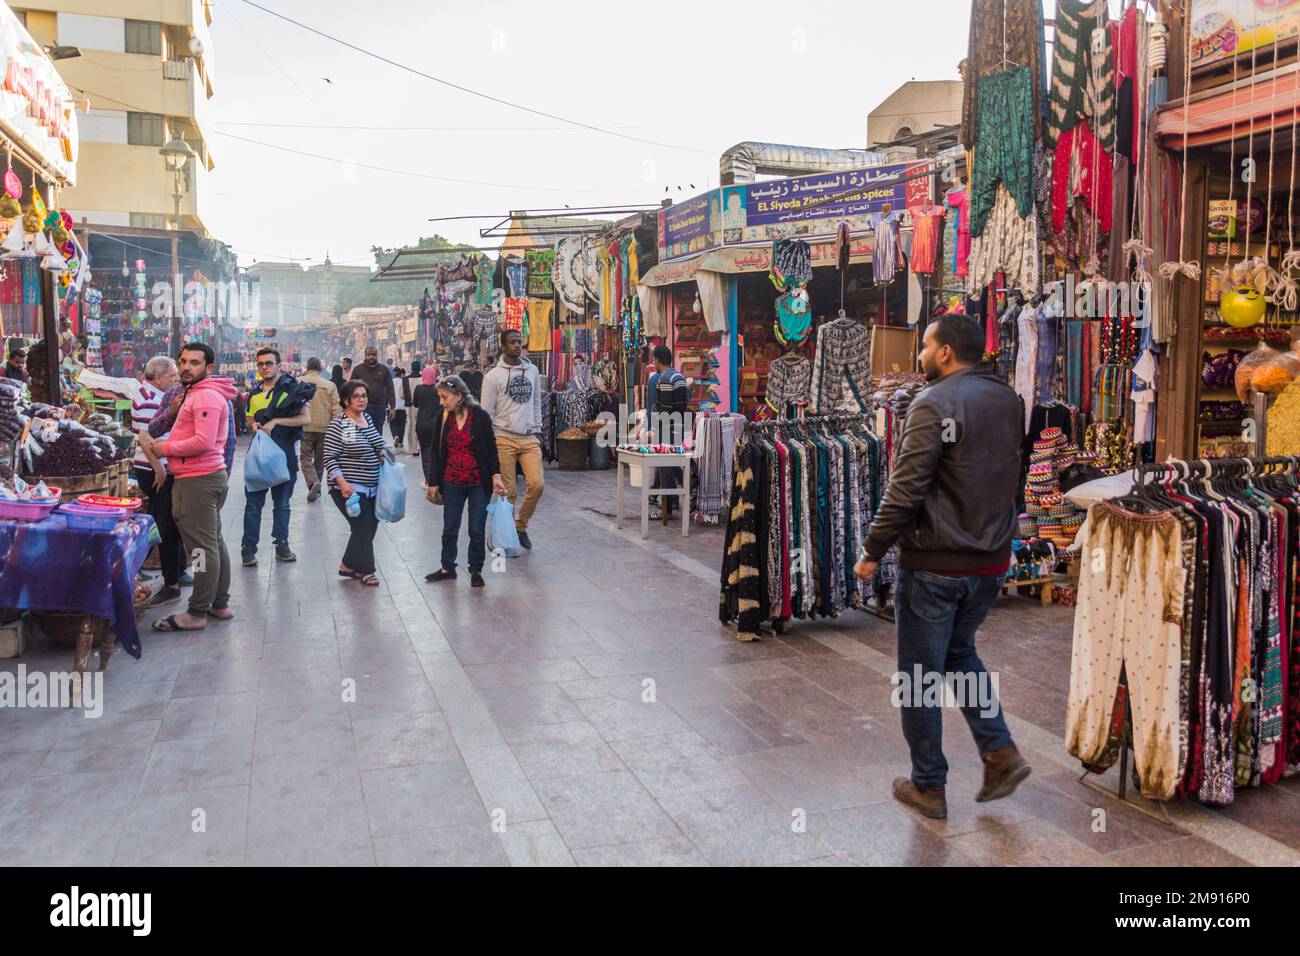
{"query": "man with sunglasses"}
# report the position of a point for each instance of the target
(279, 405)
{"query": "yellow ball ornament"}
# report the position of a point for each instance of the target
(1242, 307)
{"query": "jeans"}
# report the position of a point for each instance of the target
(378, 414)
(171, 553)
(255, 501)
(454, 498)
(398, 426)
(936, 618)
(360, 553)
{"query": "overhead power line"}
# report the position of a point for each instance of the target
(465, 89)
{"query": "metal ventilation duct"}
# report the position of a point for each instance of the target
(742, 162)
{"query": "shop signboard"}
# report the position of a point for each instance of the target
(688, 226)
(814, 205)
(36, 108)
(1222, 29)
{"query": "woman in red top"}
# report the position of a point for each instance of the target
(462, 467)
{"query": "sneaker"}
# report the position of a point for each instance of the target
(930, 803)
(314, 491)
(525, 541)
(250, 558)
(186, 580)
(164, 595)
(1004, 770)
(282, 552)
(442, 574)
(475, 580)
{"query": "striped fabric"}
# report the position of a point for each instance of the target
(353, 450)
(1083, 82)
(143, 411)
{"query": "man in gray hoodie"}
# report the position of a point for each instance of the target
(513, 397)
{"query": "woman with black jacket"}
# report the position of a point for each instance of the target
(461, 466)
(424, 399)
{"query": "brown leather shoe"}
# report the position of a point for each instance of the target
(931, 803)
(1003, 771)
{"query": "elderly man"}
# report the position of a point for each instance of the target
(152, 477)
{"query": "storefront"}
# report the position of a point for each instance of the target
(729, 311)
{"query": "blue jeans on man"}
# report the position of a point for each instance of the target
(454, 500)
(255, 502)
(936, 618)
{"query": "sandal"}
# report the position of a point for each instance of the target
(369, 580)
(168, 624)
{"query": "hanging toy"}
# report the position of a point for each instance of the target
(1242, 307)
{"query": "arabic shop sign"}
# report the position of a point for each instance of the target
(688, 227)
(812, 205)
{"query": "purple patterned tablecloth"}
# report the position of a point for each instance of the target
(47, 566)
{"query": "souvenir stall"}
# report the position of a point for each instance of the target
(1232, 150)
(72, 548)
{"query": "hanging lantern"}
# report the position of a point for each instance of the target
(1242, 307)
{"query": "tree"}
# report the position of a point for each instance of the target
(361, 293)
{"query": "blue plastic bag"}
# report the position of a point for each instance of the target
(390, 502)
(501, 531)
(266, 465)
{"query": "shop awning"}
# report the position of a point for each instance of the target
(734, 260)
(1269, 104)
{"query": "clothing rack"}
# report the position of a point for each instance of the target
(1236, 467)
(808, 421)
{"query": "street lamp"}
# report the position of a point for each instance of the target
(176, 154)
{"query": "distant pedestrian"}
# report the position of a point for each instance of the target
(378, 380)
(401, 398)
(324, 409)
(337, 377)
(464, 468)
(347, 369)
(281, 405)
(195, 456)
(353, 451)
(513, 399)
(424, 399)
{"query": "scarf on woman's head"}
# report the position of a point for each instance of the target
(429, 374)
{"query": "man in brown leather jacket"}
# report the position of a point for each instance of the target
(951, 509)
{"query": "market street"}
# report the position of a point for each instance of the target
(586, 707)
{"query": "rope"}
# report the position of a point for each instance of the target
(1286, 294)
(1192, 269)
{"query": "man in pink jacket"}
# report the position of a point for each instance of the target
(195, 451)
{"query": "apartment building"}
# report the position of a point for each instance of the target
(143, 78)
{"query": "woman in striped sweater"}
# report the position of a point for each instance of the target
(353, 451)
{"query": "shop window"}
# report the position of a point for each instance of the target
(148, 220)
(144, 36)
(146, 129)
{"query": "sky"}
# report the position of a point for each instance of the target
(693, 78)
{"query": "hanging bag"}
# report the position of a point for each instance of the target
(390, 501)
(266, 465)
(501, 531)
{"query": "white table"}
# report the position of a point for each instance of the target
(649, 465)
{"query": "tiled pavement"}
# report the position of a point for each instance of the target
(586, 707)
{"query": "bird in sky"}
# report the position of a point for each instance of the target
(328, 80)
